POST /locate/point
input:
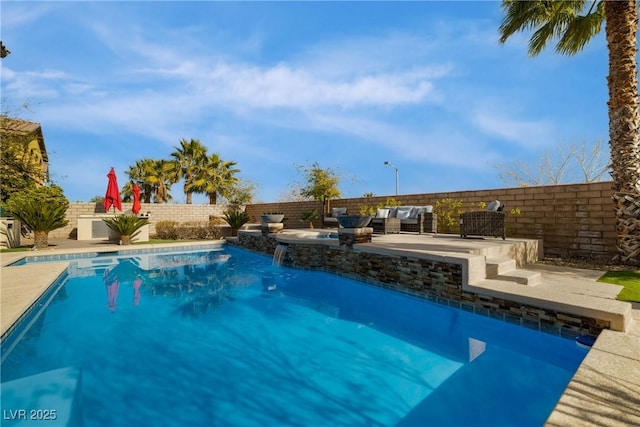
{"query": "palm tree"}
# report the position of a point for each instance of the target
(138, 174)
(574, 25)
(160, 175)
(214, 176)
(187, 158)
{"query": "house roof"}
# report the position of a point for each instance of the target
(25, 127)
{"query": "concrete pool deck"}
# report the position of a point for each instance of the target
(605, 391)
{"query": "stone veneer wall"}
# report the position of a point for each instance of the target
(576, 220)
(436, 281)
(158, 212)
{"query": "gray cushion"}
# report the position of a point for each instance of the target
(493, 206)
(404, 212)
(338, 211)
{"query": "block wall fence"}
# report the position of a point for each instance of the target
(575, 220)
(158, 212)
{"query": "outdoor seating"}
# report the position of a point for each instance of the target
(385, 225)
(490, 222)
(417, 219)
(332, 219)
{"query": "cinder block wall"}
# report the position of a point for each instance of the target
(158, 212)
(576, 220)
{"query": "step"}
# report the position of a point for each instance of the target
(521, 276)
(497, 266)
(47, 398)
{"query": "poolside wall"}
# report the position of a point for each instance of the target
(576, 220)
(435, 280)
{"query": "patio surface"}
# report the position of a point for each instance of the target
(605, 391)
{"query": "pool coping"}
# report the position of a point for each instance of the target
(604, 391)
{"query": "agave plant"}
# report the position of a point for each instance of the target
(236, 219)
(128, 226)
(309, 217)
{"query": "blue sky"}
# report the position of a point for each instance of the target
(274, 85)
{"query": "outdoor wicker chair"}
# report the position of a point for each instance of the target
(385, 225)
(483, 223)
(426, 222)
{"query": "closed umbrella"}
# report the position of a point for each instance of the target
(136, 199)
(112, 197)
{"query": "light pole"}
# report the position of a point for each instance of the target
(391, 165)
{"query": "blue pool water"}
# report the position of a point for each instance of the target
(224, 338)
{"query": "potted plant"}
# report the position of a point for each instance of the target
(236, 219)
(272, 217)
(309, 217)
(127, 226)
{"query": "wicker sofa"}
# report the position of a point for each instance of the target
(490, 222)
(417, 219)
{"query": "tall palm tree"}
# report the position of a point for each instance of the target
(214, 177)
(160, 175)
(574, 23)
(138, 174)
(189, 156)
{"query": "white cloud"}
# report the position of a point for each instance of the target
(527, 133)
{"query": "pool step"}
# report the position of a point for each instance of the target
(505, 269)
(47, 398)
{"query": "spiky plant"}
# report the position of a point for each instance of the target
(128, 226)
(236, 219)
(41, 210)
(309, 217)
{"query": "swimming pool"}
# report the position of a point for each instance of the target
(223, 337)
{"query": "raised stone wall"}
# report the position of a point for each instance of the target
(436, 281)
(158, 212)
(576, 220)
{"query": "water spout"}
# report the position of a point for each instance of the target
(279, 253)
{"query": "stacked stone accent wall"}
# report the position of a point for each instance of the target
(158, 212)
(576, 220)
(436, 281)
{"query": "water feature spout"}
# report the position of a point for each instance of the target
(279, 253)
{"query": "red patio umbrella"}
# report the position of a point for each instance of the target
(112, 197)
(136, 199)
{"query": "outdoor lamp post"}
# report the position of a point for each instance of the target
(391, 165)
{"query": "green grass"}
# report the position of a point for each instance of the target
(19, 249)
(629, 279)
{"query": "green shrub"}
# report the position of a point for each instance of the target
(167, 230)
(192, 230)
(448, 211)
(195, 230)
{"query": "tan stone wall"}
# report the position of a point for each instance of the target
(576, 220)
(158, 212)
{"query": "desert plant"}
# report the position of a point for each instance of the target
(448, 211)
(236, 219)
(127, 226)
(367, 210)
(197, 230)
(309, 217)
(40, 210)
(167, 230)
